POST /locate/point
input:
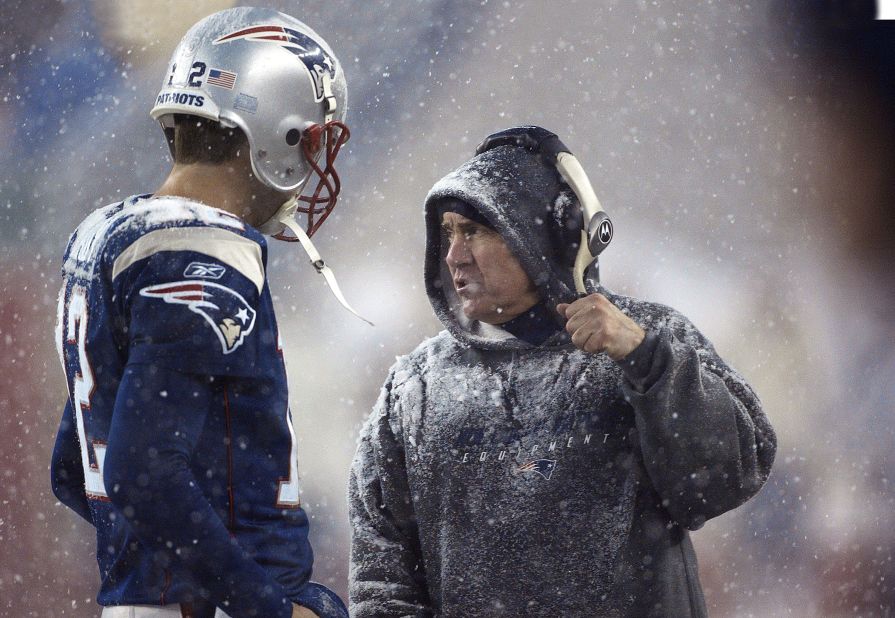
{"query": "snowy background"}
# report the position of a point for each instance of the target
(744, 150)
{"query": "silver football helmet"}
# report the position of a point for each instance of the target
(276, 79)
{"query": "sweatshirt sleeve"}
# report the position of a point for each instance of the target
(706, 442)
(386, 577)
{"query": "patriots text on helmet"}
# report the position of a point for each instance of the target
(180, 98)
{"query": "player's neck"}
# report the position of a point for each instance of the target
(225, 186)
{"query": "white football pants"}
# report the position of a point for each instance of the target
(142, 611)
(149, 611)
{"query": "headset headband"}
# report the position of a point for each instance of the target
(597, 228)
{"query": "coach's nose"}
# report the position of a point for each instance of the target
(459, 252)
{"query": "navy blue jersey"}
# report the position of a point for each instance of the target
(177, 441)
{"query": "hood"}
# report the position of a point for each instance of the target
(535, 212)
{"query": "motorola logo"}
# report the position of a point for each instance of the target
(605, 231)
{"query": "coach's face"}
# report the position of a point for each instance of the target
(487, 276)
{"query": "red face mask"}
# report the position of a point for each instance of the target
(320, 204)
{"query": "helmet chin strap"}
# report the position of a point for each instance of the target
(285, 218)
(277, 221)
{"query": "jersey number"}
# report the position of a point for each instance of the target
(288, 492)
(198, 70)
(74, 324)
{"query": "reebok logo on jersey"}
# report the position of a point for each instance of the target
(226, 311)
(205, 271)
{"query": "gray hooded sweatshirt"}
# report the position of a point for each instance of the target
(498, 478)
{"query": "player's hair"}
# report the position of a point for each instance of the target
(199, 140)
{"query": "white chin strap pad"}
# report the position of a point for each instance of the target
(276, 224)
(317, 261)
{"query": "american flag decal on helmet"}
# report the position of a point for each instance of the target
(226, 311)
(544, 467)
(312, 55)
(221, 78)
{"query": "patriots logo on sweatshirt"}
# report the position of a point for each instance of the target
(226, 311)
(544, 467)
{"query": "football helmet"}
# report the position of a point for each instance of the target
(278, 81)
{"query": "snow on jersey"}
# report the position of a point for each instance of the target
(168, 283)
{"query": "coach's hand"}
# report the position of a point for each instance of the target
(302, 612)
(596, 325)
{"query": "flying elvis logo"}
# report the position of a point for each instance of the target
(544, 467)
(228, 313)
(316, 61)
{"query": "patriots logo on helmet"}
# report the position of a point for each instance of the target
(544, 467)
(315, 59)
(226, 311)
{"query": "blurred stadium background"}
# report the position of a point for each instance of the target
(744, 150)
